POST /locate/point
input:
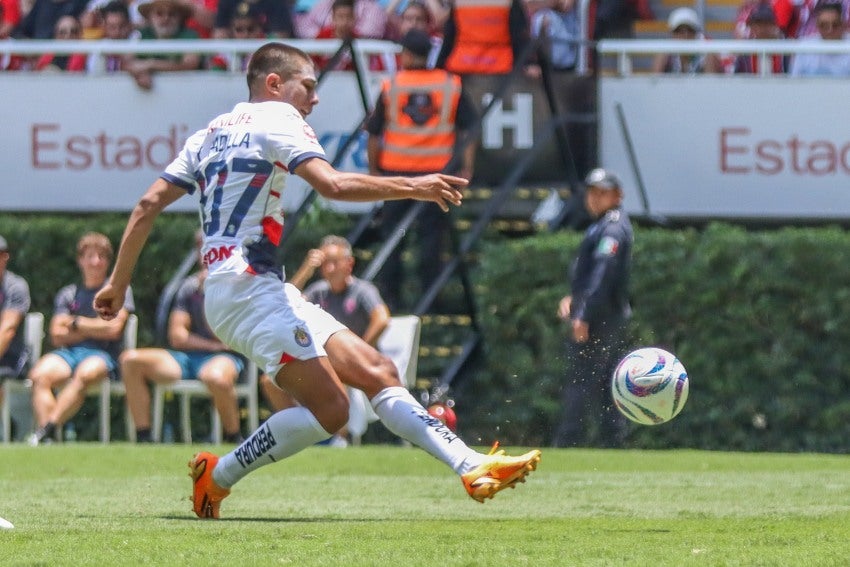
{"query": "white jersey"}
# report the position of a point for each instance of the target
(240, 164)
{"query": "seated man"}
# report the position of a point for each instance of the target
(87, 346)
(197, 354)
(14, 304)
(354, 302)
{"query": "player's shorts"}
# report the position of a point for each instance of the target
(76, 354)
(265, 319)
(192, 362)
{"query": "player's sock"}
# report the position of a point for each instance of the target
(283, 434)
(406, 417)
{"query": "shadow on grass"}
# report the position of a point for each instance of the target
(277, 520)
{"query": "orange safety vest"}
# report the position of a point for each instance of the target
(483, 40)
(419, 132)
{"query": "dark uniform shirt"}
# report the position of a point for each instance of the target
(601, 272)
(78, 300)
(14, 296)
(353, 307)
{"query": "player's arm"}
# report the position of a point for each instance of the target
(358, 187)
(110, 299)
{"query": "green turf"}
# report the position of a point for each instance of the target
(83, 504)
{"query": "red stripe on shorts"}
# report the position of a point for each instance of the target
(286, 358)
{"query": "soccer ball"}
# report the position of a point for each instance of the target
(444, 413)
(650, 386)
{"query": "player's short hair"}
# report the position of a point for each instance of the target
(342, 4)
(116, 7)
(339, 241)
(97, 241)
(274, 57)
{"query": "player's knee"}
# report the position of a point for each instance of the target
(334, 414)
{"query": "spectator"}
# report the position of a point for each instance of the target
(808, 12)
(10, 17)
(414, 129)
(485, 38)
(40, 22)
(87, 347)
(343, 26)
(195, 353)
(275, 16)
(166, 20)
(370, 19)
(831, 27)
(245, 25)
(428, 15)
(558, 24)
(598, 312)
(355, 303)
(684, 24)
(67, 29)
(115, 21)
(762, 26)
(786, 16)
(14, 305)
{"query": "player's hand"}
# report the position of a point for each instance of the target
(441, 189)
(109, 301)
(564, 307)
(581, 331)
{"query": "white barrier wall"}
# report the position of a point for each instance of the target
(734, 147)
(95, 143)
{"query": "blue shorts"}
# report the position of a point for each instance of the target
(191, 362)
(76, 354)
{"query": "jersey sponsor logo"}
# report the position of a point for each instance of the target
(256, 446)
(214, 255)
(302, 339)
(231, 120)
(607, 246)
(310, 133)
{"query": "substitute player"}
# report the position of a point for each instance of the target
(239, 165)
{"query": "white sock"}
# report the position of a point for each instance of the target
(283, 434)
(406, 417)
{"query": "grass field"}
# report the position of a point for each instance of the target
(82, 504)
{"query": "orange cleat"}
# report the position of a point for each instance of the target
(206, 494)
(498, 472)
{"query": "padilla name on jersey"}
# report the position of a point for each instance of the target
(239, 164)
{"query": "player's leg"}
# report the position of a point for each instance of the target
(49, 372)
(323, 408)
(219, 374)
(139, 367)
(275, 397)
(361, 366)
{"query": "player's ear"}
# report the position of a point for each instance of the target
(274, 83)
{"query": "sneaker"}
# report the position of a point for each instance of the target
(498, 472)
(206, 494)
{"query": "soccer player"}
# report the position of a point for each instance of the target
(239, 165)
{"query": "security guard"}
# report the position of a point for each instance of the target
(414, 130)
(598, 312)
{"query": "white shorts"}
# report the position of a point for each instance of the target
(266, 320)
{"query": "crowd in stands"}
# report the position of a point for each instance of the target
(458, 28)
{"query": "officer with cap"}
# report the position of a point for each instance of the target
(598, 312)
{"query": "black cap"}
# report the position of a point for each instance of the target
(762, 13)
(417, 42)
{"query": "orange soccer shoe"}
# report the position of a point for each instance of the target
(498, 472)
(206, 494)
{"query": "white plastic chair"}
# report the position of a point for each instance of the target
(187, 389)
(33, 338)
(400, 343)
